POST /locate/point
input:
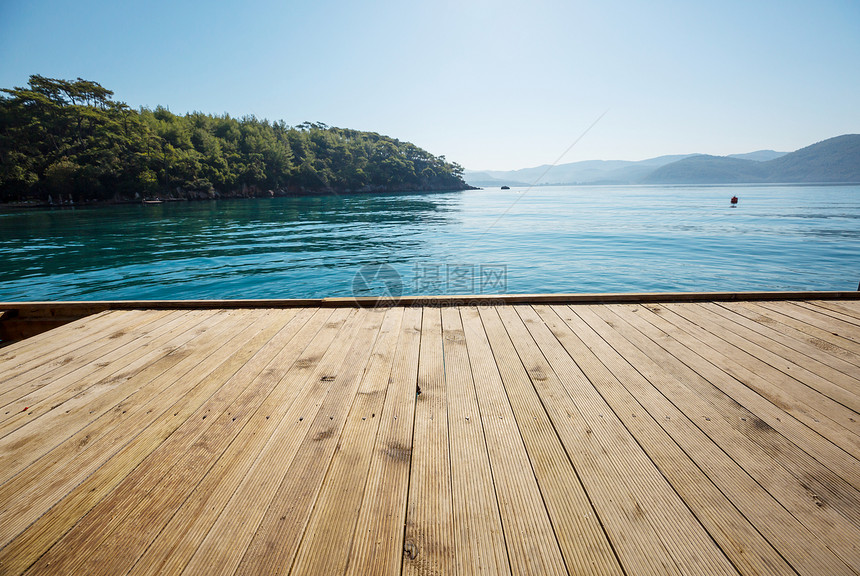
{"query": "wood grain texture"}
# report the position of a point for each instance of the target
(551, 435)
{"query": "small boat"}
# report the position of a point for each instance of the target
(734, 199)
(506, 187)
(153, 201)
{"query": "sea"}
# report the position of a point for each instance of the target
(545, 239)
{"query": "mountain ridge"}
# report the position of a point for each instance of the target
(834, 160)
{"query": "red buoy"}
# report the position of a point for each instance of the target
(734, 199)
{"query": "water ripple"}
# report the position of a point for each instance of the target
(551, 239)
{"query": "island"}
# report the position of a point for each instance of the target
(70, 142)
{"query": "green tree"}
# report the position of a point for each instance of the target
(72, 138)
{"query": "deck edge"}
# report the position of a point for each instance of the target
(85, 308)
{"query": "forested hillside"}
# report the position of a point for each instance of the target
(70, 140)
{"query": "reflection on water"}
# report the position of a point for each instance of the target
(552, 239)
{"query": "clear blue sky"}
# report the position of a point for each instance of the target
(492, 84)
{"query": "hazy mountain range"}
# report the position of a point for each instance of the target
(834, 160)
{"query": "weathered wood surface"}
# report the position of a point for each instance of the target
(687, 437)
(20, 320)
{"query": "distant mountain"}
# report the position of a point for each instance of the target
(584, 172)
(704, 169)
(833, 160)
(759, 155)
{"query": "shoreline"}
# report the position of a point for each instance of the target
(186, 196)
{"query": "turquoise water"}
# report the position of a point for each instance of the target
(547, 239)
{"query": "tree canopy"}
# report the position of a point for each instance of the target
(70, 139)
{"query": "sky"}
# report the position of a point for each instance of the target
(489, 84)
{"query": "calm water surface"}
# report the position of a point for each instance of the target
(548, 239)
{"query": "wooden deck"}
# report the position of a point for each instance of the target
(543, 438)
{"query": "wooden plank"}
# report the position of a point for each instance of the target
(581, 538)
(429, 538)
(754, 415)
(25, 442)
(723, 454)
(63, 377)
(87, 450)
(479, 542)
(812, 479)
(103, 538)
(326, 543)
(248, 449)
(842, 310)
(63, 355)
(51, 526)
(285, 515)
(609, 298)
(770, 347)
(620, 510)
(793, 378)
(22, 373)
(819, 319)
(35, 346)
(17, 329)
(54, 389)
(288, 359)
(674, 445)
(273, 548)
(67, 377)
(275, 410)
(23, 357)
(814, 358)
(779, 389)
(73, 308)
(823, 339)
(281, 422)
(848, 307)
(843, 321)
(801, 334)
(685, 539)
(550, 527)
(377, 548)
(150, 495)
